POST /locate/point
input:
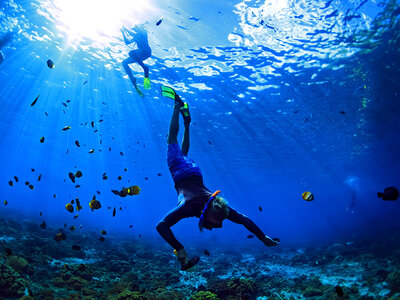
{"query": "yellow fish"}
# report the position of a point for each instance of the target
(308, 196)
(69, 207)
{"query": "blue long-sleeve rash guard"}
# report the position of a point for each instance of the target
(195, 196)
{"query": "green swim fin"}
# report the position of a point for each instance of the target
(169, 92)
(185, 113)
(146, 83)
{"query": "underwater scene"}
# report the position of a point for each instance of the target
(199, 150)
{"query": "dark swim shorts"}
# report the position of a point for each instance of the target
(180, 165)
(140, 54)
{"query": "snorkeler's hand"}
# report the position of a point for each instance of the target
(270, 242)
(182, 256)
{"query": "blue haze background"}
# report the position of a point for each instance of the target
(266, 88)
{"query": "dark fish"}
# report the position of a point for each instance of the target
(26, 182)
(130, 226)
(94, 204)
(11, 183)
(76, 247)
(78, 204)
(43, 225)
(33, 170)
(16, 178)
(119, 177)
(146, 178)
(54, 196)
(339, 291)
(42, 139)
(34, 101)
(40, 214)
(105, 177)
(66, 128)
(50, 64)
(389, 194)
(103, 232)
(40, 177)
(102, 239)
(159, 21)
(260, 208)
(125, 169)
(64, 104)
(250, 236)
(140, 235)
(206, 252)
(159, 174)
(98, 192)
(71, 176)
(92, 124)
(46, 114)
(85, 82)
(101, 120)
(193, 18)
(72, 201)
(116, 192)
(78, 174)
(209, 143)
(60, 236)
(5, 202)
(122, 153)
(31, 186)
(65, 225)
(91, 150)
(114, 211)
(8, 251)
(343, 112)
(78, 186)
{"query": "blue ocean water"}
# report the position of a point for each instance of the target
(285, 97)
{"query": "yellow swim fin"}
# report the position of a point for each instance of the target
(146, 83)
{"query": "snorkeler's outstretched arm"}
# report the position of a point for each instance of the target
(239, 218)
(174, 216)
(126, 39)
(5, 39)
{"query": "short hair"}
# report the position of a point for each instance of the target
(219, 208)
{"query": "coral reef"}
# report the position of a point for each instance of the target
(204, 295)
(33, 265)
(11, 283)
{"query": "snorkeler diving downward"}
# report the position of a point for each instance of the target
(138, 35)
(194, 199)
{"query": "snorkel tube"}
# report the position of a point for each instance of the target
(201, 221)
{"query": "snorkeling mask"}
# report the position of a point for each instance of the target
(201, 221)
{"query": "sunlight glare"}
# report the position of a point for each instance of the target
(271, 7)
(97, 18)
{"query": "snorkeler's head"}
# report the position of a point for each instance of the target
(215, 213)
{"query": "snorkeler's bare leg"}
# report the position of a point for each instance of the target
(145, 68)
(128, 70)
(174, 126)
(186, 140)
